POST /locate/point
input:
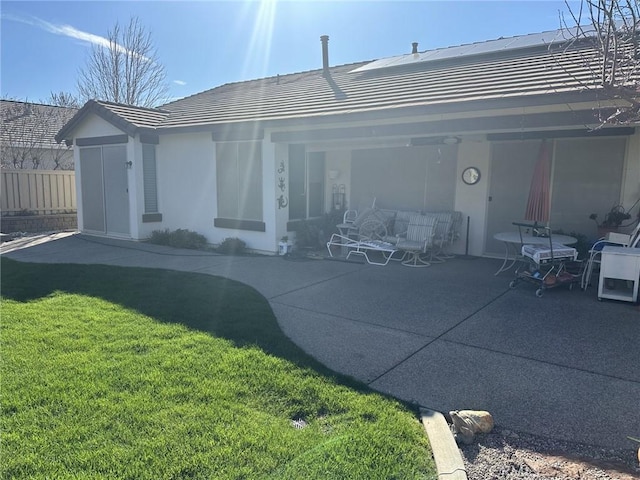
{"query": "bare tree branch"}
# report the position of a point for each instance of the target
(127, 71)
(63, 99)
(611, 29)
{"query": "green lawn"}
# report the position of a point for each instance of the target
(112, 372)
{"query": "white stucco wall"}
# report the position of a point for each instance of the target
(471, 200)
(267, 241)
(132, 187)
(186, 186)
(94, 126)
(186, 175)
(185, 171)
(281, 162)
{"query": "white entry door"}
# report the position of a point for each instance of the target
(105, 193)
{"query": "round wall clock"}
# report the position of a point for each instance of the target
(471, 175)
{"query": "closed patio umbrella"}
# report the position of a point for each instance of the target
(539, 202)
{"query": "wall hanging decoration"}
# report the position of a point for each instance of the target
(283, 200)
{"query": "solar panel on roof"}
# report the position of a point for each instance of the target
(480, 48)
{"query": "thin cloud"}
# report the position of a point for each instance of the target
(180, 82)
(67, 31)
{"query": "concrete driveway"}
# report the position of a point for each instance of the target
(452, 336)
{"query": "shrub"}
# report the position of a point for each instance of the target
(180, 238)
(307, 233)
(315, 232)
(232, 246)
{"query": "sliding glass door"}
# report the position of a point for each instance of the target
(306, 183)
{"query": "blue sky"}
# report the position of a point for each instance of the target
(205, 44)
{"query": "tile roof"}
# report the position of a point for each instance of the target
(459, 83)
(128, 118)
(32, 124)
(345, 91)
(137, 116)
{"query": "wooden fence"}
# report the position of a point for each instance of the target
(37, 192)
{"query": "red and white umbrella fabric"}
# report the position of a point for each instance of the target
(539, 202)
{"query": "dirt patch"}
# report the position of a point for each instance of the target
(503, 454)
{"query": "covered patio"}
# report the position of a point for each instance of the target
(588, 172)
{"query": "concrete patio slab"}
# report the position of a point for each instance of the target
(521, 394)
(451, 336)
(426, 301)
(275, 276)
(570, 329)
(359, 350)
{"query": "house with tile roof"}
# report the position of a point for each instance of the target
(27, 136)
(249, 159)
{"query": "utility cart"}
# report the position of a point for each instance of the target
(544, 263)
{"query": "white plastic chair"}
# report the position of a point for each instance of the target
(595, 252)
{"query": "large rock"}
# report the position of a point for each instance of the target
(466, 423)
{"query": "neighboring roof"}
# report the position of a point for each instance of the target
(445, 80)
(32, 123)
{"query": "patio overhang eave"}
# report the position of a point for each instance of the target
(582, 120)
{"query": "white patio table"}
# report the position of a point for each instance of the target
(512, 240)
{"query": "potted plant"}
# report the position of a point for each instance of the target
(284, 246)
(307, 234)
(612, 219)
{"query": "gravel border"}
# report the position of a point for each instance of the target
(505, 454)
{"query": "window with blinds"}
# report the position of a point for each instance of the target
(239, 180)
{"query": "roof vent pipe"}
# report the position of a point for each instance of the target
(325, 54)
(415, 47)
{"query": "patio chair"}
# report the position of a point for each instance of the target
(346, 227)
(454, 232)
(595, 252)
(400, 225)
(444, 224)
(419, 240)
